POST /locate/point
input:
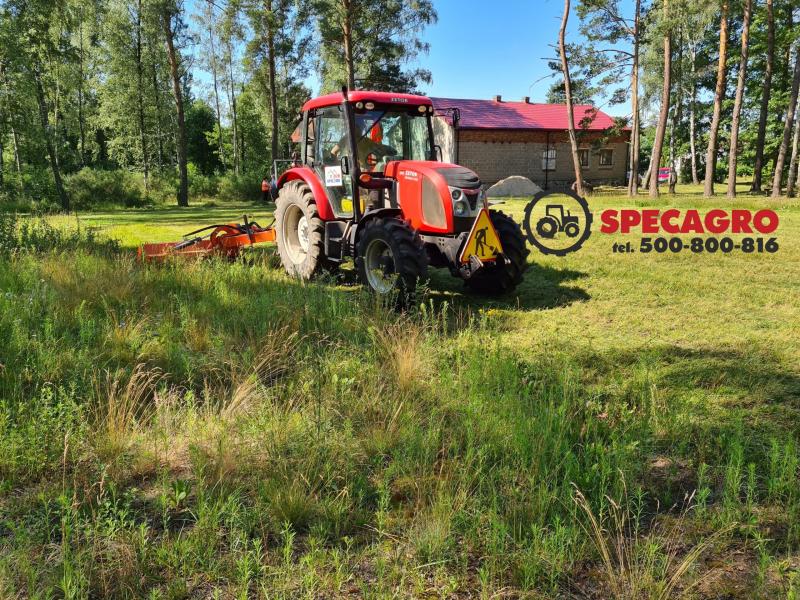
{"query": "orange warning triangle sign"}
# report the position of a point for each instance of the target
(483, 240)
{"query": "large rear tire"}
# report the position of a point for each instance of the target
(503, 278)
(300, 233)
(391, 259)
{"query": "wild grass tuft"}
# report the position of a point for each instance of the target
(639, 561)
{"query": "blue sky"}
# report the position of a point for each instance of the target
(480, 48)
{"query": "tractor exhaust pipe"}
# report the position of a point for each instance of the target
(352, 165)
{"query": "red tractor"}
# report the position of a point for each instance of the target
(368, 185)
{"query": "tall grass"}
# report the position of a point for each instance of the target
(218, 429)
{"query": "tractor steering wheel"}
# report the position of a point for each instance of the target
(383, 150)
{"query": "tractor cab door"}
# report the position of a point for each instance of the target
(328, 130)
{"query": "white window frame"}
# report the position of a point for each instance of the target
(600, 158)
(549, 159)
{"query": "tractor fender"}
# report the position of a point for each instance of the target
(380, 213)
(310, 178)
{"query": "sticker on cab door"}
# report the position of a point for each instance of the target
(333, 176)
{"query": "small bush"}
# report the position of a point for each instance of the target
(38, 185)
(33, 189)
(163, 188)
(240, 187)
(92, 188)
(36, 234)
(201, 185)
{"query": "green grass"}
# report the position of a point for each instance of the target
(220, 430)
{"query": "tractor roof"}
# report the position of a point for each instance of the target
(365, 96)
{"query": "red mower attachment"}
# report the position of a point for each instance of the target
(222, 240)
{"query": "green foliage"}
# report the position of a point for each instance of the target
(385, 37)
(150, 441)
(200, 126)
(240, 188)
(94, 188)
(37, 234)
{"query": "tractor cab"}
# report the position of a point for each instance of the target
(381, 133)
(368, 185)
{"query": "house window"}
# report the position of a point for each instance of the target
(606, 157)
(549, 159)
(583, 155)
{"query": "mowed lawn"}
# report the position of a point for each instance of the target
(219, 430)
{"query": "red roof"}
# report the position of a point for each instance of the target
(364, 96)
(490, 114)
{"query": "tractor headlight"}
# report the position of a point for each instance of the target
(455, 194)
(460, 208)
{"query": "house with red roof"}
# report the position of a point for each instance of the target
(497, 138)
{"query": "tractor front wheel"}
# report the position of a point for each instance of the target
(391, 259)
(495, 280)
(300, 231)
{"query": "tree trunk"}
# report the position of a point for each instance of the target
(174, 68)
(234, 117)
(787, 127)
(797, 177)
(633, 184)
(737, 103)
(766, 91)
(14, 135)
(677, 116)
(2, 165)
(719, 92)
(672, 178)
(15, 144)
(216, 94)
(273, 88)
(790, 181)
(646, 177)
(140, 98)
(242, 138)
(573, 141)
(347, 38)
(81, 116)
(159, 133)
(661, 128)
(48, 134)
(693, 119)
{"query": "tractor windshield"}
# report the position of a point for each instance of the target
(386, 135)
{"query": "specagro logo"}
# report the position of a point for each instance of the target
(557, 223)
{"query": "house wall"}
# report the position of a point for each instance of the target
(497, 154)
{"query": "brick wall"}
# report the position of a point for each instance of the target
(497, 154)
(495, 160)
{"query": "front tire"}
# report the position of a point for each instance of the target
(503, 278)
(391, 259)
(300, 233)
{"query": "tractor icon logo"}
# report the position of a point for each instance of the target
(556, 221)
(542, 229)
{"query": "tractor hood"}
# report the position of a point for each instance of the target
(436, 197)
(454, 175)
(460, 177)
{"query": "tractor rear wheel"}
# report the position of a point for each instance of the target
(300, 233)
(503, 278)
(391, 259)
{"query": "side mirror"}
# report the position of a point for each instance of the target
(345, 165)
(438, 153)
